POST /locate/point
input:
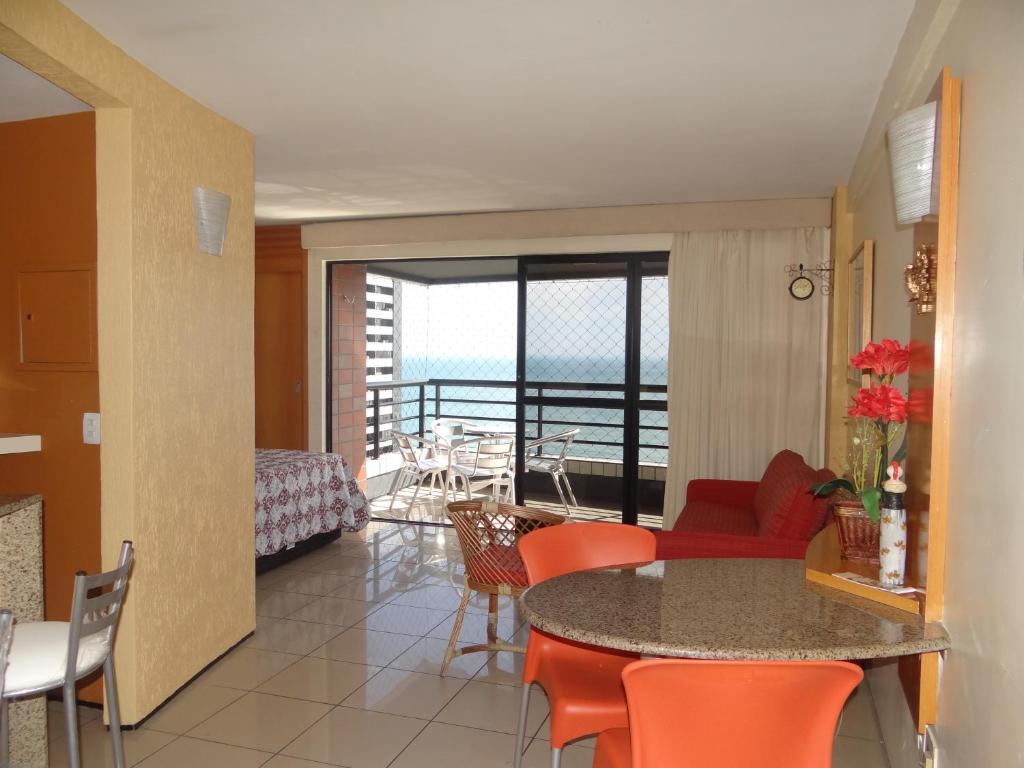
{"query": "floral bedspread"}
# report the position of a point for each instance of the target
(299, 495)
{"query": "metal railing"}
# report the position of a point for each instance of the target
(430, 402)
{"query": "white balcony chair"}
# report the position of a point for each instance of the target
(46, 655)
(484, 462)
(553, 464)
(419, 463)
(450, 433)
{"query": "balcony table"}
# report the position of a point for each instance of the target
(749, 609)
(489, 428)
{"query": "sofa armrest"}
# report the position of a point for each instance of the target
(732, 493)
(682, 546)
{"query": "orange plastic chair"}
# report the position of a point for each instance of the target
(583, 683)
(689, 713)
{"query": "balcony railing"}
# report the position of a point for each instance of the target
(389, 409)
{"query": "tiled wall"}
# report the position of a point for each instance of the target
(348, 365)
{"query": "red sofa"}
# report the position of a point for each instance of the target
(774, 517)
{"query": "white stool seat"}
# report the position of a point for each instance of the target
(39, 657)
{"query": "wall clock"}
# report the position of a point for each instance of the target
(801, 288)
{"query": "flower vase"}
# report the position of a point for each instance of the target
(892, 547)
(858, 535)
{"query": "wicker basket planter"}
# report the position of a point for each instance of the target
(858, 535)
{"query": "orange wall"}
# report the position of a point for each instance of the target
(48, 217)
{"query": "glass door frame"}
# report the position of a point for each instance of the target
(629, 402)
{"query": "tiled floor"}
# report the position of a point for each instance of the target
(343, 671)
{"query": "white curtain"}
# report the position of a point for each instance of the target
(746, 359)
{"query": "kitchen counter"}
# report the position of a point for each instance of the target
(21, 591)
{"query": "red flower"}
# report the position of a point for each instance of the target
(883, 359)
(881, 402)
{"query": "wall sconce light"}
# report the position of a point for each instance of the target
(920, 279)
(912, 154)
(211, 210)
(801, 286)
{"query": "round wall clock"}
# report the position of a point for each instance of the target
(801, 288)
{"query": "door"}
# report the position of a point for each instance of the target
(580, 368)
(280, 360)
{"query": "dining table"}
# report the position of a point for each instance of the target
(729, 608)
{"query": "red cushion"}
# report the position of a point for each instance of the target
(676, 546)
(498, 564)
(783, 503)
(707, 517)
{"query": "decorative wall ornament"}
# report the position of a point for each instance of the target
(801, 285)
(920, 278)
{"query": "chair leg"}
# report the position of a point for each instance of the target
(492, 618)
(5, 756)
(568, 488)
(114, 707)
(415, 493)
(524, 706)
(558, 487)
(556, 757)
(396, 486)
(71, 725)
(449, 654)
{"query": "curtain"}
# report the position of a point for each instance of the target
(746, 359)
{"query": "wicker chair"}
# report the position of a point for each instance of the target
(488, 536)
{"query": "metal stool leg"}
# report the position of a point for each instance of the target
(5, 756)
(524, 706)
(71, 725)
(556, 758)
(114, 706)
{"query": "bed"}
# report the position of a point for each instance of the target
(301, 496)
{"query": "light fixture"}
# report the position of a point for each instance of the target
(912, 154)
(211, 210)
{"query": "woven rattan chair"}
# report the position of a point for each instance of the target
(488, 536)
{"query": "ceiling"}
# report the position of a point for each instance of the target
(401, 107)
(26, 95)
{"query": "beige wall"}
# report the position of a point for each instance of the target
(980, 702)
(176, 352)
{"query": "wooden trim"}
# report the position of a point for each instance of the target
(949, 91)
(836, 385)
(867, 251)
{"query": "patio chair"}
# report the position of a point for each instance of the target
(450, 433)
(484, 462)
(417, 466)
(554, 465)
(489, 534)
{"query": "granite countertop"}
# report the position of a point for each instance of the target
(11, 504)
(751, 609)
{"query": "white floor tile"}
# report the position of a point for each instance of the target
(356, 738)
(400, 692)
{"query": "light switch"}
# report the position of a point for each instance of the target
(91, 428)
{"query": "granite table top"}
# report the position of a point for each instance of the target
(11, 504)
(752, 609)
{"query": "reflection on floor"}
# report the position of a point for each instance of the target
(429, 508)
(343, 671)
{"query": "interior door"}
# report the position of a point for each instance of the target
(280, 364)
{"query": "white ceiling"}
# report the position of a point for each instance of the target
(26, 95)
(395, 107)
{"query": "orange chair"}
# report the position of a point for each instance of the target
(769, 714)
(583, 683)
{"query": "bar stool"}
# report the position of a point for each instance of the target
(46, 655)
(743, 714)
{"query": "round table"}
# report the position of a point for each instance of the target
(753, 609)
(489, 428)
